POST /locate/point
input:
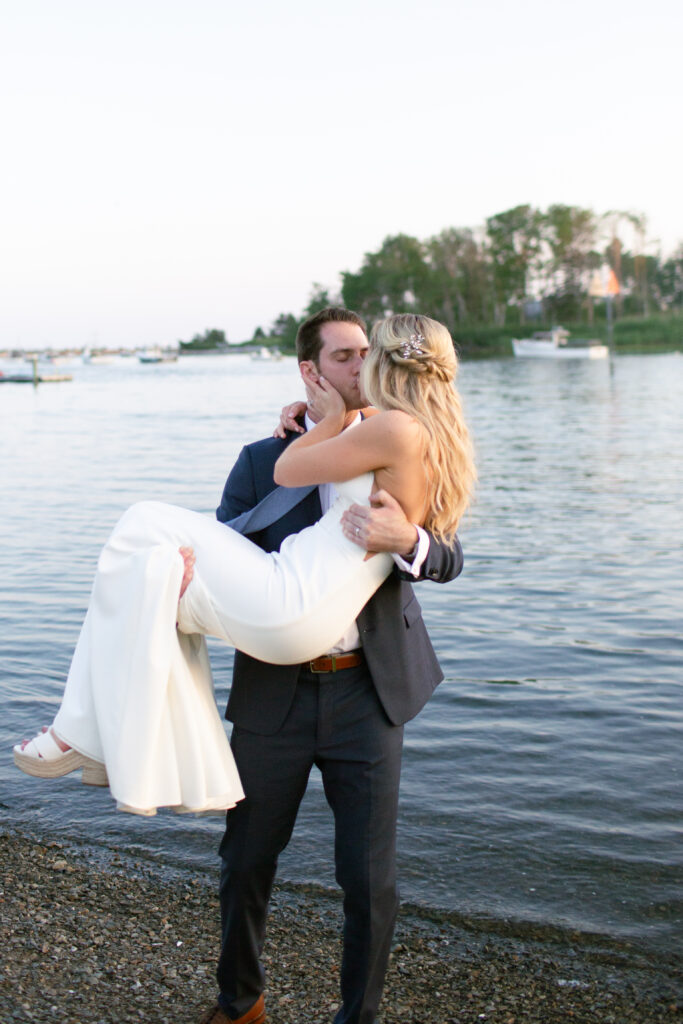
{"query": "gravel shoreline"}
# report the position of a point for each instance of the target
(87, 943)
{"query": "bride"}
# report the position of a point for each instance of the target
(138, 711)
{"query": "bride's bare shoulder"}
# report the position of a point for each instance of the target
(397, 425)
(397, 419)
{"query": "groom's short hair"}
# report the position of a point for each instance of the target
(308, 340)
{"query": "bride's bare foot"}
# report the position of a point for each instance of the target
(189, 559)
(60, 743)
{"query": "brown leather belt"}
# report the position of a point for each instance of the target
(335, 662)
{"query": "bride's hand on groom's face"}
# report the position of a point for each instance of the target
(323, 399)
(292, 413)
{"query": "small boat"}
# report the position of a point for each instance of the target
(99, 358)
(267, 353)
(67, 359)
(17, 378)
(556, 344)
(157, 355)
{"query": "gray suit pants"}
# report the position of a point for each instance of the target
(337, 723)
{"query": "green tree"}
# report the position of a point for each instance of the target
(668, 281)
(319, 299)
(570, 233)
(514, 248)
(632, 274)
(212, 338)
(457, 283)
(284, 329)
(392, 280)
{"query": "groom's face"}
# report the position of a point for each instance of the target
(344, 347)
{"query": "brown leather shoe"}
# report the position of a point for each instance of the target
(256, 1015)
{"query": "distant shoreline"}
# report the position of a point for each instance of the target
(85, 942)
(633, 335)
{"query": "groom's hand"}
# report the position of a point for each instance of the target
(289, 419)
(382, 527)
(189, 560)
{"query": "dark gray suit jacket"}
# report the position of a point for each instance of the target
(397, 648)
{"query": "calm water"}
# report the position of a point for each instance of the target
(542, 782)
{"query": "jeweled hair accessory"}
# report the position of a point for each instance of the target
(412, 347)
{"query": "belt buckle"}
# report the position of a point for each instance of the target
(319, 671)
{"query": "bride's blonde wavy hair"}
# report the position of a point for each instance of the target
(411, 365)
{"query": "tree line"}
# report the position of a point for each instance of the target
(524, 265)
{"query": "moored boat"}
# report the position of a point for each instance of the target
(556, 344)
(101, 357)
(157, 355)
(266, 353)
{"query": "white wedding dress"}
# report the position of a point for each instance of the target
(139, 695)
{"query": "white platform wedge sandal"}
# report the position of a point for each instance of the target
(43, 758)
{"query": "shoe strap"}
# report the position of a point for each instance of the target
(44, 745)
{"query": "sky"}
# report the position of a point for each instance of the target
(173, 166)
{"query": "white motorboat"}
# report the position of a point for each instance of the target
(266, 353)
(556, 344)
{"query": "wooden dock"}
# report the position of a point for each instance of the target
(33, 377)
(40, 378)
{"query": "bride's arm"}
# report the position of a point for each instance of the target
(327, 453)
(294, 412)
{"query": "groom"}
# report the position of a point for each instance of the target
(343, 712)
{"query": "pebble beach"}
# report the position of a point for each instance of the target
(88, 941)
